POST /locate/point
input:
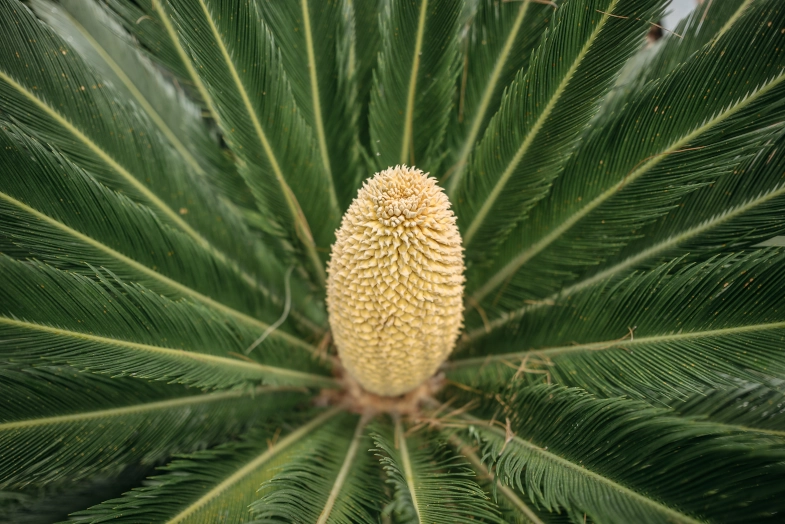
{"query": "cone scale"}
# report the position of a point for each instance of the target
(395, 282)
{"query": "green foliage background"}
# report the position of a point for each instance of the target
(173, 172)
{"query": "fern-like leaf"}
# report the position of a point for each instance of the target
(414, 82)
(60, 425)
(655, 333)
(216, 483)
(543, 113)
(569, 450)
(431, 484)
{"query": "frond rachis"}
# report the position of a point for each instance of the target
(395, 286)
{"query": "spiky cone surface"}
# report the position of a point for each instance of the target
(395, 282)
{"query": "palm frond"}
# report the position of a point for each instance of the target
(750, 406)
(54, 502)
(499, 42)
(60, 425)
(104, 44)
(704, 24)
(431, 484)
(366, 49)
(317, 43)
(54, 211)
(216, 483)
(654, 333)
(142, 21)
(741, 210)
(543, 113)
(414, 82)
(50, 90)
(332, 480)
(112, 327)
(514, 509)
(618, 460)
(696, 125)
(236, 59)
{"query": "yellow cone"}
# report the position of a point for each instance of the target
(395, 284)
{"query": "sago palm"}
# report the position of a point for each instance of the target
(391, 261)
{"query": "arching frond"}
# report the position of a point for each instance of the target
(570, 450)
(750, 406)
(514, 508)
(54, 211)
(317, 43)
(431, 484)
(704, 24)
(695, 126)
(332, 480)
(60, 425)
(743, 209)
(499, 41)
(237, 61)
(103, 42)
(654, 333)
(50, 90)
(543, 113)
(216, 483)
(112, 327)
(414, 82)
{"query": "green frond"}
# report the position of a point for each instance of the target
(750, 406)
(60, 425)
(499, 42)
(53, 502)
(543, 114)
(654, 333)
(414, 82)
(49, 90)
(216, 483)
(317, 42)
(703, 25)
(112, 327)
(514, 509)
(618, 460)
(695, 126)
(54, 211)
(332, 480)
(366, 49)
(432, 485)
(103, 42)
(142, 21)
(743, 209)
(234, 54)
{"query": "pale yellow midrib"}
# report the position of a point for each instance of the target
(511, 267)
(509, 494)
(179, 288)
(479, 218)
(257, 462)
(584, 471)
(615, 344)
(408, 121)
(147, 194)
(628, 263)
(317, 104)
(111, 162)
(407, 466)
(485, 100)
(194, 76)
(343, 474)
(140, 98)
(118, 412)
(301, 223)
(261, 369)
(732, 20)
